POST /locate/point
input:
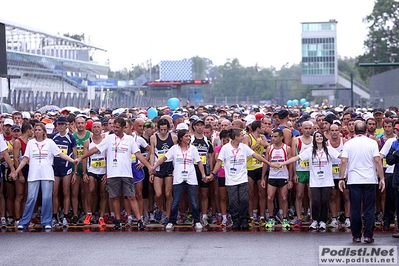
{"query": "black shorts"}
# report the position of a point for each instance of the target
(6, 173)
(277, 182)
(165, 170)
(199, 178)
(97, 177)
(222, 181)
(256, 174)
(62, 171)
(116, 185)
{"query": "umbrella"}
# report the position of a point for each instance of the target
(7, 108)
(71, 109)
(47, 108)
(119, 111)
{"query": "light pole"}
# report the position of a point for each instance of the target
(62, 78)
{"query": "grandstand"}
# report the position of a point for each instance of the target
(49, 64)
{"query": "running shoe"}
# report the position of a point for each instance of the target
(47, 227)
(54, 222)
(3, 222)
(180, 218)
(101, 222)
(129, 221)
(347, 223)
(298, 223)
(286, 224)
(169, 226)
(20, 227)
(322, 225)
(87, 220)
(251, 222)
(146, 219)
(219, 219)
(270, 223)
(378, 218)
(262, 222)
(189, 218)
(224, 222)
(204, 221)
(75, 220)
(165, 221)
(140, 225)
(10, 221)
(334, 223)
(198, 226)
(65, 223)
(158, 216)
(118, 225)
(111, 220)
(152, 218)
(313, 226)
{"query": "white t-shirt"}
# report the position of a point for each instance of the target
(119, 164)
(96, 163)
(360, 152)
(41, 155)
(235, 163)
(321, 171)
(3, 145)
(384, 151)
(183, 163)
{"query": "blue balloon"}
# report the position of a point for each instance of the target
(303, 101)
(152, 112)
(295, 102)
(307, 104)
(290, 103)
(173, 103)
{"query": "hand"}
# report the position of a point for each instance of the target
(210, 177)
(205, 180)
(275, 165)
(104, 179)
(13, 175)
(73, 179)
(296, 179)
(382, 185)
(151, 170)
(152, 178)
(78, 160)
(85, 178)
(341, 185)
(263, 183)
(290, 184)
(140, 166)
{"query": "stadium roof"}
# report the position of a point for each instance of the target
(12, 26)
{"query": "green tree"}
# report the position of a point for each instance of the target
(382, 42)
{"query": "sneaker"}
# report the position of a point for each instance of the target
(334, 223)
(224, 222)
(219, 219)
(158, 216)
(47, 227)
(20, 227)
(286, 224)
(54, 222)
(74, 220)
(65, 223)
(129, 220)
(189, 218)
(10, 221)
(298, 223)
(118, 225)
(152, 218)
(165, 221)
(198, 226)
(111, 220)
(270, 223)
(378, 218)
(204, 221)
(169, 226)
(3, 222)
(146, 219)
(262, 222)
(180, 219)
(101, 222)
(313, 226)
(140, 225)
(251, 222)
(87, 220)
(322, 225)
(347, 223)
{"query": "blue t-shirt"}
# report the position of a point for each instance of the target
(66, 144)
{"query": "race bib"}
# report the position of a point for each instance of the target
(384, 162)
(98, 162)
(63, 148)
(203, 159)
(80, 152)
(304, 164)
(335, 169)
(133, 156)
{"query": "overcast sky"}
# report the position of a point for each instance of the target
(262, 32)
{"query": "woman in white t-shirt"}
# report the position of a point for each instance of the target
(40, 153)
(184, 156)
(321, 180)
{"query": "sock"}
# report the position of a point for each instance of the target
(89, 213)
(112, 214)
(224, 216)
(262, 217)
(204, 216)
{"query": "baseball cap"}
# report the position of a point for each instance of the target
(25, 115)
(182, 126)
(89, 124)
(15, 127)
(94, 110)
(9, 122)
(104, 121)
(249, 121)
(397, 126)
(176, 116)
(49, 128)
(259, 116)
(61, 120)
(66, 111)
(198, 121)
(378, 111)
(194, 117)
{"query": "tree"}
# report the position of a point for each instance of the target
(382, 42)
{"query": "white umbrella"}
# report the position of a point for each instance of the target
(71, 109)
(119, 111)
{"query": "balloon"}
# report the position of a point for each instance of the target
(290, 103)
(295, 102)
(303, 101)
(173, 103)
(307, 104)
(152, 112)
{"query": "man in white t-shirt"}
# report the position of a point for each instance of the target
(119, 147)
(362, 157)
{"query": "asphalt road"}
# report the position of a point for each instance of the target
(180, 247)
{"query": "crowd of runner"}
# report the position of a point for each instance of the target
(193, 165)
